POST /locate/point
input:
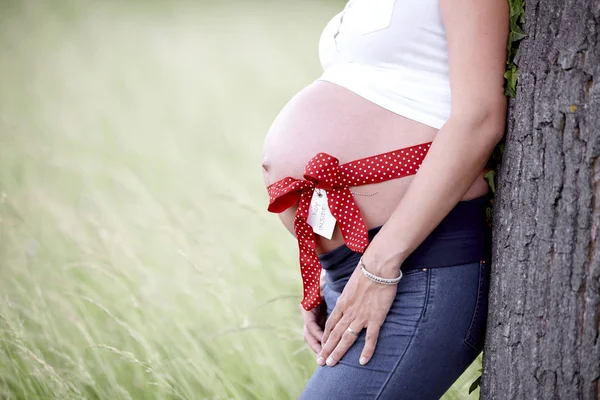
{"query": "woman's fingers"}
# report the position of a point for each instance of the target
(330, 324)
(370, 342)
(313, 334)
(329, 344)
(340, 340)
(348, 338)
(315, 330)
(312, 340)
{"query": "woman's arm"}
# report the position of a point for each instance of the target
(476, 32)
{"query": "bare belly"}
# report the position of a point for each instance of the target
(325, 117)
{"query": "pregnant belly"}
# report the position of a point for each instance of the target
(325, 117)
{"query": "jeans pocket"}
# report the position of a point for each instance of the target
(475, 336)
(413, 271)
(412, 294)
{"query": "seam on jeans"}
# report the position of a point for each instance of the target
(427, 292)
(477, 306)
(412, 271)
(393, 371)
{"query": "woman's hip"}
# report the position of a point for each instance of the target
(433, 331)
(434, 297)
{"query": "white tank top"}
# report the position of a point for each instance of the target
(394, 54)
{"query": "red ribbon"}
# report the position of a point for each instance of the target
(325, 172)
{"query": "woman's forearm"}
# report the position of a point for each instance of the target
(455, 160)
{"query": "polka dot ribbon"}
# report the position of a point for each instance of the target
(325, 172)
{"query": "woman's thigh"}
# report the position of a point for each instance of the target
(434, 330)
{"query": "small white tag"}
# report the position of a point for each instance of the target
(319, 215)
(368, 16)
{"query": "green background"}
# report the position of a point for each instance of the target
(137, 259)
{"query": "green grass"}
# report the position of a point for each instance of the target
(137, 259)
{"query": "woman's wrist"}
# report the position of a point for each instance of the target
(385, 266)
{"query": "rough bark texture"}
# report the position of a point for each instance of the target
(544, 322)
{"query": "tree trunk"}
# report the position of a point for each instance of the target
(544, 321)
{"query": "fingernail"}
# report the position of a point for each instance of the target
(363, 360)
(330, 361)
(321, 361)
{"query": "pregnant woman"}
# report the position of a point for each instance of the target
(377, 169)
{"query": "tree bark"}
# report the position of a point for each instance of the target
(544, 318)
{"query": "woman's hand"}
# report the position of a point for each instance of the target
(314, 322)
(362, 304)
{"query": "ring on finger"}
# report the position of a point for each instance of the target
(352, 331)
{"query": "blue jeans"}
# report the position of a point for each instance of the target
(435, 328)
(433, 332)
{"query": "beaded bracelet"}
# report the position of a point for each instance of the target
(379, 279)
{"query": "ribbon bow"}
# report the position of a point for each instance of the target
(325, 172)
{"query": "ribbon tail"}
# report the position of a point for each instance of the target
(310, 266)
(352, 224)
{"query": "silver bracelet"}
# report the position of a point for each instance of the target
(379, 279)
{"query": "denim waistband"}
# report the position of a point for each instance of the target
(463, 236)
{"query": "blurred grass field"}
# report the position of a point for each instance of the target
(137, 259)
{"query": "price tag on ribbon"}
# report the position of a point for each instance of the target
(319, 215)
